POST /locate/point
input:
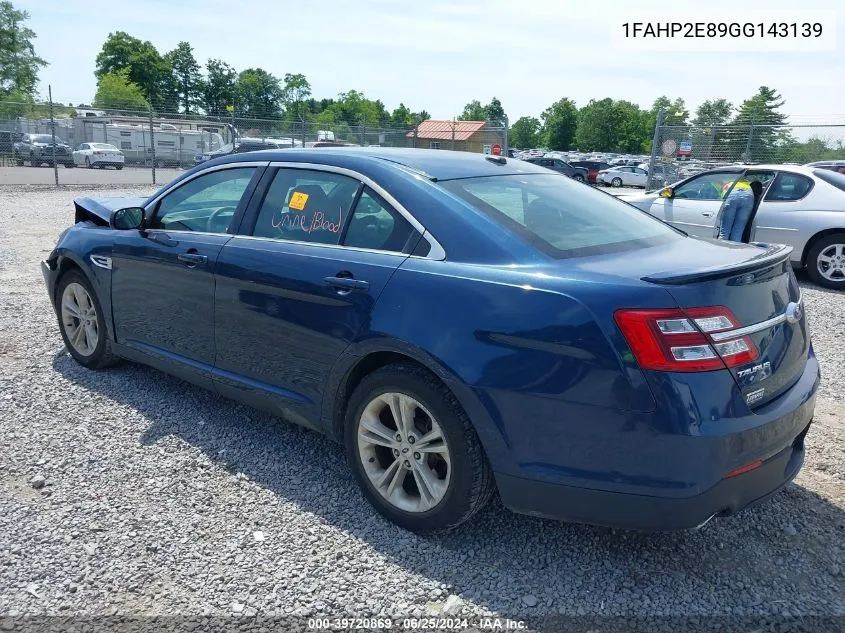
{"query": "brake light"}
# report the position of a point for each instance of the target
(679, 340)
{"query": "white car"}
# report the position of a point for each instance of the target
(803, 207)
(625, 176)
(98, 155)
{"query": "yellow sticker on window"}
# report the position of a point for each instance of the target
(298, 200)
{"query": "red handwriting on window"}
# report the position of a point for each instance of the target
(319, 222)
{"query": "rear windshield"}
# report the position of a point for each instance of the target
(562, 217)
(45, 138)
(831, 177)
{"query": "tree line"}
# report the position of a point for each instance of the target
(133, 75)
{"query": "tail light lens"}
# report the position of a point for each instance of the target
(679, 340)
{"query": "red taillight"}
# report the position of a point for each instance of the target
(744, 469)
(679, 340)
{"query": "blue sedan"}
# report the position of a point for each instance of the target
(462, 324)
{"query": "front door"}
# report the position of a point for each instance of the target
(695, 203)
(296, 292)
(163, 275)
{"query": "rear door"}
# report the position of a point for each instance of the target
(298, 286)
(778, 216)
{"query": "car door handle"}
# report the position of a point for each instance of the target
(347, 283)
(707, 214)
(192, 258)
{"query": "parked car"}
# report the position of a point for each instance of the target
(99, 155)
(802, 207)
(832, 165)
(38, 149)
(576, 173)
(593, 168)
(460, 323)
(8, 139)
(623, 177)
(242, 145)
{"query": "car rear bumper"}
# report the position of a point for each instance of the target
(640, 512)
(611, 505)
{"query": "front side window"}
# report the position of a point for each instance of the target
(561, 217)
(706, 186)
(788, 187)
(376, 225)
(306, 206)
(206, 203)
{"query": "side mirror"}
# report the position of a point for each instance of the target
(667, 192)
(127, 219)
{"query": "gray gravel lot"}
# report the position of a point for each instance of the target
(161, 498)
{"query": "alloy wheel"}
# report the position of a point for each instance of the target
(404, 452)
(79, 319)
(831, 263)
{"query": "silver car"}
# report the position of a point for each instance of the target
(803, 207)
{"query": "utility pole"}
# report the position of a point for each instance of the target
(453, 132)
(152, 145)
(747, 157)
(505, 141)
(53, 132)
(661, 117)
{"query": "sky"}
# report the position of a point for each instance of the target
(439, 54)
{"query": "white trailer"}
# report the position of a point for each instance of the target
(173, 147)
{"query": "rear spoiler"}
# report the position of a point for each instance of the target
(771, 255)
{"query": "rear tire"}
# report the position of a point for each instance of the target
(826, 261)
(84, 334)
(578, 178)
(616, 182)
(453, 471)
(118, 167)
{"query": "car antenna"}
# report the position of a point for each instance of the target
(499, 160)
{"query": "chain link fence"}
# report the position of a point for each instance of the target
(155, 146)
(682, 150)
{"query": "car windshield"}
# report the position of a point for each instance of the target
(831, 177)
(45, 138)
(562, 217)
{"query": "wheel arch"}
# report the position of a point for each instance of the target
(369, 356)
(815, 238)
(67, 261)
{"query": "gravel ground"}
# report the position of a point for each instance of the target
(126, 491)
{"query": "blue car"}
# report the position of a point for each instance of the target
(462, 324)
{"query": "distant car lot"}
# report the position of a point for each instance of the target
(44, 176)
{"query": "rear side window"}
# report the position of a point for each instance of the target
(561, 217)
(787, 187)
(306, 206)
(376, 225)
(831, 178)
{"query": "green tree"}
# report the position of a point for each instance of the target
(560, 120)
(758, 126)
(186, 76)
(525, 132)
(494, 112)
(259, 94)
(295, 91)
(422, 115)
(147, 68)
(402, 117)
(713, 112)
(473, 111)
(116, 91)
(612, 126)
(19, 65)
(219, 87)
(676, 111)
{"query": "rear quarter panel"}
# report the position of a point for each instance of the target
(534, 368)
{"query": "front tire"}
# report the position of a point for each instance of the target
(616, 182)
(578, 178)
(414, 451)
(81, 322)
(826, 261)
